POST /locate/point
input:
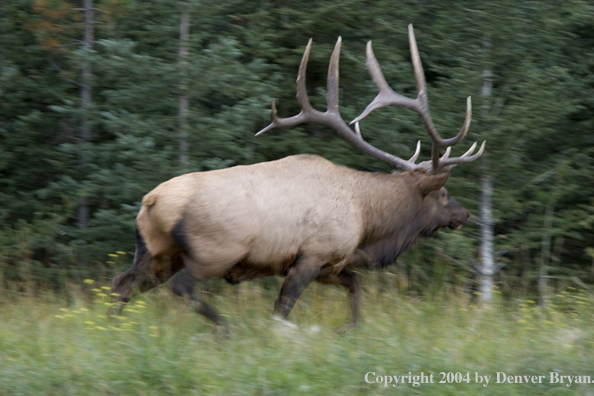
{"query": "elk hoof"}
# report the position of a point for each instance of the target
(315, 329)
(284, 322)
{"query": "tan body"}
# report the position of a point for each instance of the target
(258, 215)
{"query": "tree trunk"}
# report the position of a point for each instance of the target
(487, 263)
(486, 244)
(545, 253)
(545, 256)
(184, 33)
(85, 99)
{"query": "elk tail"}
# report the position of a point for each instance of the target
(148, 203)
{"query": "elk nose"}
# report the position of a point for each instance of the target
(463, 219)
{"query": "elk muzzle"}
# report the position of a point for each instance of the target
(459, 216)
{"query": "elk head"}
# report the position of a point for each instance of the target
(439, 208)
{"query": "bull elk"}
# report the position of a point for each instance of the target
(301, 217)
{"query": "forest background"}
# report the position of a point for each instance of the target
(100, 102)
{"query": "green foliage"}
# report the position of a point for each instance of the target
(537, 121)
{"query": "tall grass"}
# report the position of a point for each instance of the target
(55, 346)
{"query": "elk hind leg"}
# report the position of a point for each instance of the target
(183, 286)
(349, 280)
(305, 271)
(146, 272)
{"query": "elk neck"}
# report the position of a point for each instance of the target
(394, 215)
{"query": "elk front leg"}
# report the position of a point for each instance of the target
(347, 279)
(305, 271)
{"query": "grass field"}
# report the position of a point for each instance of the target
(58, 346)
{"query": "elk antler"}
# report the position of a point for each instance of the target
(332, 119)
(420, 105)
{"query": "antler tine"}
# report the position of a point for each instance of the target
(458, 138)
(332, 86)
(417, 66)
(386, 95)
(422, 100)
(449, 163)
(415, 156)
(358, 130)
(439, 142)
(470, 150)
(301, 88)
(302, 98)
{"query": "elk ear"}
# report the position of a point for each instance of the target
(430, 183)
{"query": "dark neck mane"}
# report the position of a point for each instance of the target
(395, 219)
